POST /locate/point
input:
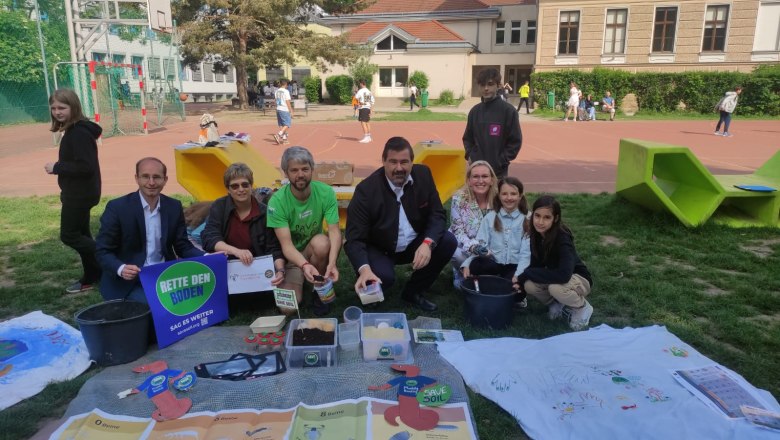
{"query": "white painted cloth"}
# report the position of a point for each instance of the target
(603, 383)
(36, 349)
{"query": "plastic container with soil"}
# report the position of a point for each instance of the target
(115, 332)
(492, 306)
(312, 343)
(385, 336)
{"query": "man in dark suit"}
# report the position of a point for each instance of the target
(140, 229)
(396, 217)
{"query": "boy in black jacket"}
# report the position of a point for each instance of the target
(493, 129)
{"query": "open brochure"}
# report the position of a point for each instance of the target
(360, 419)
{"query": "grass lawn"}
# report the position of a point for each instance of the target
(419, 115)
(554, 115)
(715, 287)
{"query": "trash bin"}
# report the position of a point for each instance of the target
(551, 100)
(424, 95)
(491, 305)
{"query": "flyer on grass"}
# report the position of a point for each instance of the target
(186, 296)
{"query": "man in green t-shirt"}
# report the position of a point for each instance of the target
(296, 213)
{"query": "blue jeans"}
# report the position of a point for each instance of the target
(725, 118)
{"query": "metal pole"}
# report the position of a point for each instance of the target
(71, 32)
(43, 49)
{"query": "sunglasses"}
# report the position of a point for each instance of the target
(235, 186)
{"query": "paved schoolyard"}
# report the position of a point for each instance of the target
(556, 156)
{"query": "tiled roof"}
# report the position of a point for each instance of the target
(391, 6)
(430, 30)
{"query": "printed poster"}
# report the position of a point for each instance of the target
(99, 425)
(186, 296)
(253, 278)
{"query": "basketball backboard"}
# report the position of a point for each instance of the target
(160, 18)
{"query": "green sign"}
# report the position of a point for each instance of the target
(184, 287)
(435, 395)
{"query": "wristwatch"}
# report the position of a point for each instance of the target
(431, 244)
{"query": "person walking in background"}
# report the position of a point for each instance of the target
(573, 103)
(413, 91)
(726, 107)
(366, 103)
(525, 92)
(608, 105)
(78, 175)
(284, 112)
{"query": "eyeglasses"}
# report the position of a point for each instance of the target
(235, 186)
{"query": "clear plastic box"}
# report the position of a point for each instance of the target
(300, 356)
(378, 347)
(349, 335)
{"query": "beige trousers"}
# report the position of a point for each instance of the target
(571, 294)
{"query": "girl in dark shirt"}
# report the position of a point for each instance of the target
(556, 276)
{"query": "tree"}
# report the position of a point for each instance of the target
(247, 34)
(364, 70)
(19, 45)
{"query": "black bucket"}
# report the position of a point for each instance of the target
(492, 305)
(115, 332)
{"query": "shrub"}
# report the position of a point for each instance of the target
(446, 97)
(364, 70)
(313, 86)
(662, 92)
(340, 88)
(420, 79)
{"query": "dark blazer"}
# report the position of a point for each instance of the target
(264, 241)
(372, 215)
(122, 240)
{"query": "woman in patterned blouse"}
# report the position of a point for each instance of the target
(469, 205)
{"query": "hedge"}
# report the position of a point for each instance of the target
(313, 86)
(663, 92)
(339, 88)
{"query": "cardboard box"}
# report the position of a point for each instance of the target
(334, 173)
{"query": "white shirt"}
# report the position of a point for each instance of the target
(282, 97)
(153, 224)
(365, 98)
(412, 90)
(406, 233)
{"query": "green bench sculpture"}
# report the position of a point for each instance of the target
(668, 177)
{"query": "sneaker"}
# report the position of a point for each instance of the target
(520, 305)
(77, 287)
(580, 317)
(277, 139)
(555, 310)
(726, 134)
(365, 140)
(717, 133)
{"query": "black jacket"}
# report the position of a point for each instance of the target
(264, 241)
(559, 266)
(372, 216)
(77, 168)
(493, 133)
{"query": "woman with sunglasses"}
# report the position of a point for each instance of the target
(237, 223)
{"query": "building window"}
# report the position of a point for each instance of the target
(615, 31)
(197, 73)
(568, 33)
(391, 43)
(154, 68)
(182, 71)
(274, 73)
(393, 76)
(99, 57)
(663, 30)
(715, 22)
(514, 36)
(117, 59)
(208, 72)
(137, 61)
(300, 73)
(500, 25)
(169, 66)
(229, 74)
(530, 36)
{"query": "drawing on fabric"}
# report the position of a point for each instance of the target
(628, 382)
(605, 372)
(503, 382)
(25, 348)
(677, 351)
(584, 401)
(655, 395)
(571, 375)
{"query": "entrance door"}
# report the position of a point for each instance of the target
(516, 76)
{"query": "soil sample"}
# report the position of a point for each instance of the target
(312, 336)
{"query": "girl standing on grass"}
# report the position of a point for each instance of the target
(503, 245)
(78, 175)
(556, 276)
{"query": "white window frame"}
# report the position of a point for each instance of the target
(676, 28)
(393, 39)
(501, 29)
(558, 33)
(528, 29)
(625, 31)
(393, 77)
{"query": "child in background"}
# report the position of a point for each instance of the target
(556, 276)
(355, 105)
(504, 245)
